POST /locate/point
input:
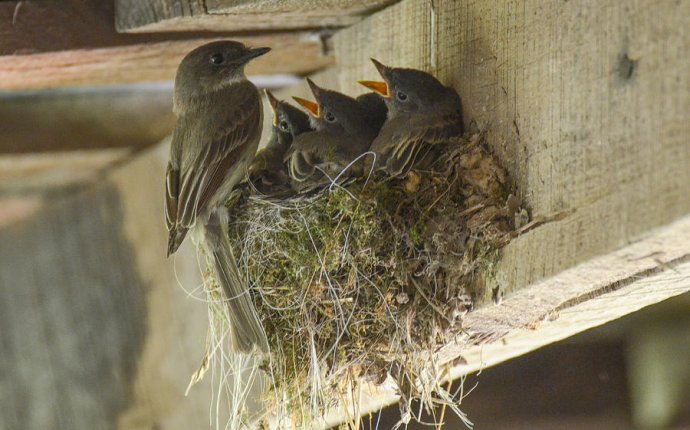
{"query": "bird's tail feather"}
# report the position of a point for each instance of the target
(246, 328)
(175, 238)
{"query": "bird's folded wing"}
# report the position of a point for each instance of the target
(416, 141)
(211, 151)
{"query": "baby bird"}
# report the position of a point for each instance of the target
(268, 173)
(342, 132)
(422, 112)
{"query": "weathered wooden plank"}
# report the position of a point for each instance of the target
(45, 172)
(585, 103)
(239, 15)
(296, 53)
(97, 332)
(585, 296)
(85, 49)
(88, 118)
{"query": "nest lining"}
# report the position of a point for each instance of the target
(367, 280)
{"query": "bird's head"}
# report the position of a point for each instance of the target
(413, 91)
(288, 121)
(333, 110)
(213, 66)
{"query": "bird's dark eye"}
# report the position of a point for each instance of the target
(330, 117)
(283, 125)
(401, 96)
(217, 59)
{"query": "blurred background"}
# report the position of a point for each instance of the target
(99, 331)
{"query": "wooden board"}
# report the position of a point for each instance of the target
(586, 296)
(97, 332)
(239, 15)
(122, 116)
(586, 104)
(45, 173)
(31, 27)
(292, 54)
(83, 48)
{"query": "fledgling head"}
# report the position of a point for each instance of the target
(211, 67)
(414, 91)
(336, 112)
(288, 121)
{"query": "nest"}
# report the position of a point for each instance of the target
(364, 281)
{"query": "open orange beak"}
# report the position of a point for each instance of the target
(379, 87)
(273, 101)
(309, 105)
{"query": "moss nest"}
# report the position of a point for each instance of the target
(365, 280)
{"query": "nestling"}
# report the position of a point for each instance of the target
(268, 172)
(422, 112)
(342, 132)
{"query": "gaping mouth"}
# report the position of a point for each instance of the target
(312, 107)
(377, 86)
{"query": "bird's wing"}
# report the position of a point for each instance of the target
(302, 156)
(193, 176)
(411, 145)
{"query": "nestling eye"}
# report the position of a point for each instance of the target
(283, 125)
(217, 59)
(330, 117)
(401, 96)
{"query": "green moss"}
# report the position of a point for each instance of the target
(358, 280)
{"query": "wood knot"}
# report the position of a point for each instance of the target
(626, 67)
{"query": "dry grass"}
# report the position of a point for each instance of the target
(366, 281)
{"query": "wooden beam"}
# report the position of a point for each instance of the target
(45, 172)
(292, 54)
(591, 122)
(586, 296)
(31, 27)
(84, 48)
(238, 15)
(122, 116)
(97, 332)
(586, 105)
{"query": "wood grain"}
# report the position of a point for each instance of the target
(121, 116)
(585, 103)
(240, 15)
(586, 296)
(292, 53)
(97, 332)
(74, 43)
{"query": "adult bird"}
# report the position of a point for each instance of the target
(268, 173)
(422, 112)
(219, 121)
(342, 133)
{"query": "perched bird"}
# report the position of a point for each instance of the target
(219, 121)
(342, 132)
(422, 112)
(268, 172)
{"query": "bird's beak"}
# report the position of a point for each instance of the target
(255, 52)
(379, 87)
(315, 89)
(312, 107)
(273, 102)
